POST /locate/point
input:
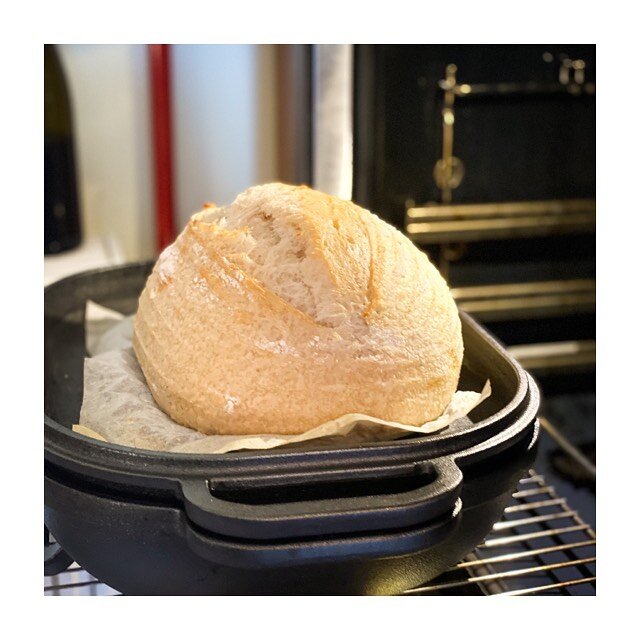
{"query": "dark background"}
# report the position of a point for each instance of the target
(531, 147)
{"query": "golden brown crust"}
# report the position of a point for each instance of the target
(226, 347)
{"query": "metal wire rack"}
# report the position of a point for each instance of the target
(541, 546)
(75, 581)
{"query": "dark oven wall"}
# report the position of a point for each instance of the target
(514, 147)
(508, 211)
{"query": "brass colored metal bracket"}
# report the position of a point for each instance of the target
(449, 170)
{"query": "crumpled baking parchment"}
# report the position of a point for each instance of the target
(118, 407)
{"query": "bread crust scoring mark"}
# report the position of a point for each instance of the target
(227, 267)
(385, 338)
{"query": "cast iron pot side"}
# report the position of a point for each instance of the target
(370, 519)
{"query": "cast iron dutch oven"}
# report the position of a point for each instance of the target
(369, 519)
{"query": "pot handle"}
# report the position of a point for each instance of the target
(378, 503)
(56, 559)
(273, 554)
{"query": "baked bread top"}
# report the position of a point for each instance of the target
(289, 308)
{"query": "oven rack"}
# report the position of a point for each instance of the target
(474, 222)
(541, 546)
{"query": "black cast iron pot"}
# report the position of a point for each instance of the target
(369, 519)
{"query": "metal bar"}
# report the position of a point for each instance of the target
(553, 349)
(502, 575)
(499, 542)
(527, 302)
(525, 493)
(499, 89)
(531, 479)
(445, 177)
(519, 555)
(506, 209)
(515, 573)
(506, 222)
(548, 517)
(543, 305)
(470, 230)
(523, 289)
(70, 585)
(547, 587)
(527, 506)
(579, 362)
(568, 448)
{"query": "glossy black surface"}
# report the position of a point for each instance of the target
(151, 522)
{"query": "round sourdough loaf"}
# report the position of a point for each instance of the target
(289, 308)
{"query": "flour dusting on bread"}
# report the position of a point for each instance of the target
(307, 306)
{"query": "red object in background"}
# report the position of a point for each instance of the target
(162, 142)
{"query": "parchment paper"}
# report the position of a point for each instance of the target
(118, 407)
